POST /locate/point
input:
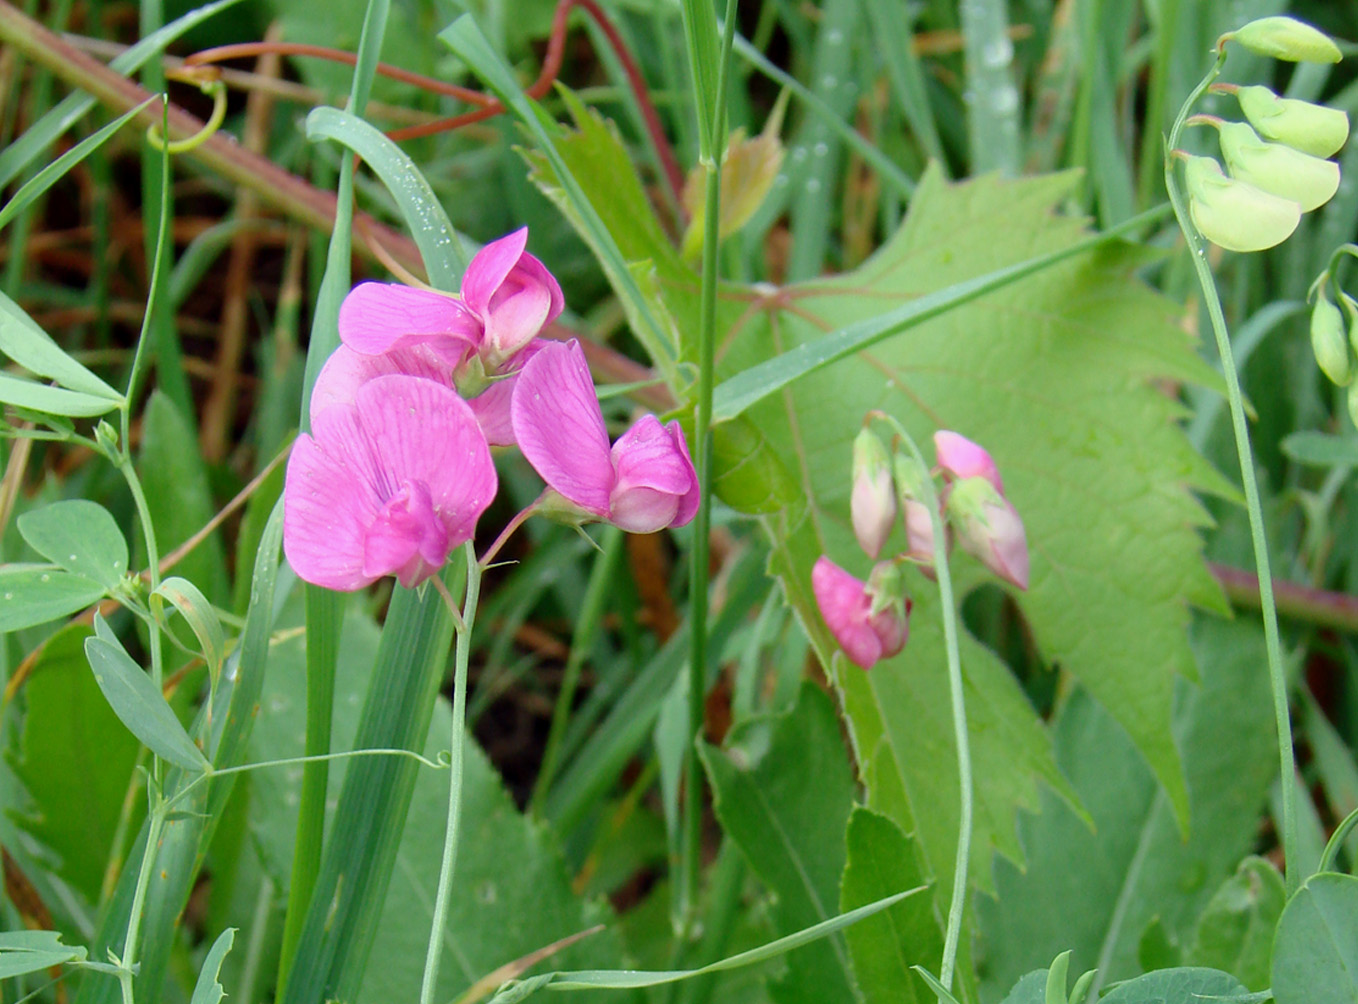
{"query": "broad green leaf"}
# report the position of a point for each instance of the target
(208, 990)
(39, 397)
(1094, 890)
(792, 832)
(1176, 986)
(140, 705)
(1235, 931)
(81, 537)
(179, 496)
(185, 597)
(75, 760)
(880, 860)
(424, 214)
(31, 596)
(1315, 953)
(24, 952)
(1030, 989)
(28, 345)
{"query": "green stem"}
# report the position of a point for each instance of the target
(457, 739)
(127, 964)
(1197, 247)
(957, 906)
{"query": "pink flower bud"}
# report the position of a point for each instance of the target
(872, 503)
(961, 458)
(919, 528)
(387, 484)
(870, 621)
(989, 529)
(645, 483)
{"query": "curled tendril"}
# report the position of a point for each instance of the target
(211, 85)
(443, 759)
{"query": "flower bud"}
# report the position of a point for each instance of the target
(919, 528)
(961, 458)
(989, 529)
(869, 620)
(1285, 38)
(872, 504)
(1330, 343)
(1350, 306)
(1278, 169)
(1234, 214)
(1313, 129)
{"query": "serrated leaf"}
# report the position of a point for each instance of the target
(207, 990)
(80, 536)
(30, 596)
(1315, 952)
(1095, 889)
(140, 705)
(792, 832)
(75, 760)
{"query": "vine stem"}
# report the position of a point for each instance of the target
(128, 963)
(957, 906)
(1197, 246)
(456, 739)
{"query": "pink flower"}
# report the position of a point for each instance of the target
(512, 296)
(870, 621)
(872, 503)
(388, 484)
(645, 483)
(989, 528)
(961, 458)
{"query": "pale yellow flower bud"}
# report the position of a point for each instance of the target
(1286, 38)
(1313, 129)
(1278, 169)
(1234, 214)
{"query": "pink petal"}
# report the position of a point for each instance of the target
(407, 539)
(347, 370)
(425, 433)
(559, 427)
(844, 604)
(328, 504)
(654, 478)
(489, 268)
(376, 316)
(962, 458)
(1008, 552)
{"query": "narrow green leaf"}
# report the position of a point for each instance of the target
(50, 400)
(1321, 450)
(43, 133)
(32, 348)
(1055, 992)
(1179, 986)
(208, 990)
(200, 617)
(31, 596)
(54, 171)
(140, 705)
(421, 209)
(1315, 952)
(23, 952)
(944, 995)
(79, 536)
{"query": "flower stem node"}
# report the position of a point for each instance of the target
(872, 504)
(1277, 168)
(1310, 128)
(869, 620)
(989, 528)
(1330, 342)
(1285, 38)
(1234, 214)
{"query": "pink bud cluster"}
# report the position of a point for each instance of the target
(870, 620)
(397, 468)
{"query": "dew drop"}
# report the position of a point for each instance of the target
(821, 149)
(799, 154)
(834, 37)
(780, 181)
(829, 82)
(486, 892)
(813, 186)
(998, 52)
(9, 596)
(44, 577)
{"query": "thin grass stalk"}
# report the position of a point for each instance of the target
(457, 740)
(1197, 247)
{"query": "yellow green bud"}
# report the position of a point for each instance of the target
(1330, 343)
(1233, 214)
(1278, 169)
(1286, 38)
(1313, 129)
(748, 171)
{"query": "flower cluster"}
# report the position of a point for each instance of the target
(1276, 161)
(397, 468)
(870, 620)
